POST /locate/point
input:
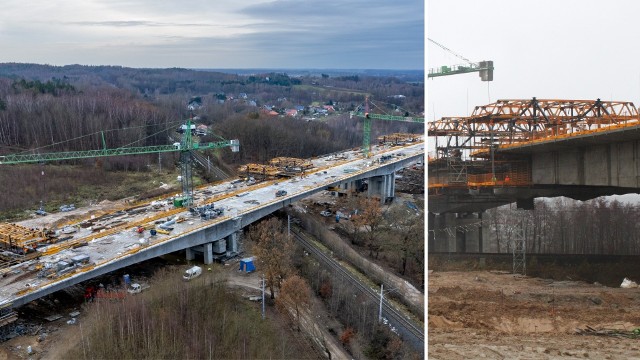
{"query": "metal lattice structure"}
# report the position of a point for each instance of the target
(517, 122)
(184, 147)
(485, 68)
(367, 116)
(519, 251)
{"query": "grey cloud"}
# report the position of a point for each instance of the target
(132, 23)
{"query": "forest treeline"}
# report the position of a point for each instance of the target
(72, 106)
(50, 108)
(565, 226)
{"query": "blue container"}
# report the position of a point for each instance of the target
(153, 232)
(127, 279)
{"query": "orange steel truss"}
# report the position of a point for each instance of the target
(514, 122)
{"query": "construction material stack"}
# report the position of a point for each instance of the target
(21, 240)
(262, 172)
(291, 166)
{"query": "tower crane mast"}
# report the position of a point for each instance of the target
(367, 116)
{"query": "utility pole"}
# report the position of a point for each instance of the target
(381, 297)
(262, 281)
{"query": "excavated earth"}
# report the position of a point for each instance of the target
(497, 315)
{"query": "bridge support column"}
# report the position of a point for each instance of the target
(207, 250)
(469, 233)
(444, 234)
(190, 255)
(460, 233)
(431, 231)
(382, 186)
(483, 235)
(232, 243)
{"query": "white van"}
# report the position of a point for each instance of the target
(191, 273)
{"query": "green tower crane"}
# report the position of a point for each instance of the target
(184, 147)
(367, 116)
(485, 68)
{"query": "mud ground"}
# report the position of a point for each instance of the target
(496, 315)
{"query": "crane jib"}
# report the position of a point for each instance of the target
(69, 155)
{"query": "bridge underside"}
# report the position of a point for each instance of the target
(459, 200)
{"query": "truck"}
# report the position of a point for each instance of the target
(192, 273)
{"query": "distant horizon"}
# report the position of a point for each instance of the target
(408, 75)
(216, 68)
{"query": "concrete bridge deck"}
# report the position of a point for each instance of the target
(112, 250)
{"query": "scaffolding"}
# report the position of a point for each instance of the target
(264, 171)
(21, 239)
(397, 138)
(291, 166)
(478, 138)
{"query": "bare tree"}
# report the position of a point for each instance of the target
(370, 218)
(408, 231)
(295, 294)
(273, 250)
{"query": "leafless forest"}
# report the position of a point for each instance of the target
(46, 108)
(564, 226)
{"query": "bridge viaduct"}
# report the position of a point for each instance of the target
(585, 164)
(222, 233)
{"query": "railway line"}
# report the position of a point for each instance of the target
(405, 327)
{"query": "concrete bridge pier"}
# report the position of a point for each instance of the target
(383, 186)
(225, 246)
(460, 232)
(444, 239)
(205, 249)
(232, 243)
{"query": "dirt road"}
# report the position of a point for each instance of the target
(494, 315)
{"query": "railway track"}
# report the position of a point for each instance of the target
(405, 327)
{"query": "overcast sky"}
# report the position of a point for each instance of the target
(359, 34)
(550, 49)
